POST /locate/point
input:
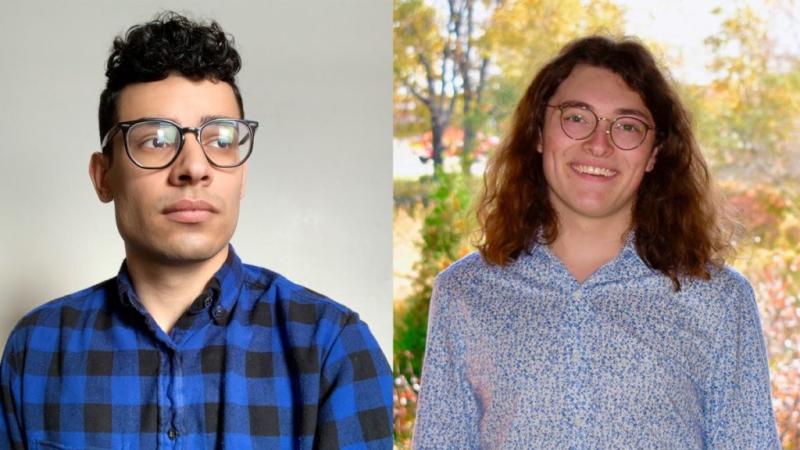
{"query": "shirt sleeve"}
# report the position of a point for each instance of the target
(355, 408)
(447, 411)
(10, 400)
(738, 406)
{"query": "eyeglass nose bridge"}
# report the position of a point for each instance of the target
(196, 132)
(182, 140)
(610, 123)
(607, 131)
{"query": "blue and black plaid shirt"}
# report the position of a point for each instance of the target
(256, 362)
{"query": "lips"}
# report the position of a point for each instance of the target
(587, 169)
(189, 211)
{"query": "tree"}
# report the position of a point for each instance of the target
(750, 109)
(445, 238)
(440, 62)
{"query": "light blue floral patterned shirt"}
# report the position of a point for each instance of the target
(524, 356)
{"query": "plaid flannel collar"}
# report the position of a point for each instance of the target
(220, 294)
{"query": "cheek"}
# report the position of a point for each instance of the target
(127, 211)
(551, 155)
(235, 188)
(132, 204)
(555, 142)
(229, 191)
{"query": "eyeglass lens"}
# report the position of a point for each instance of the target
(578, 123)
(155, 143)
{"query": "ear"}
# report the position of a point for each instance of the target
(651, 161)
(99, 165)
(244, 178)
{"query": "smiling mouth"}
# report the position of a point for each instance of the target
(592, 170)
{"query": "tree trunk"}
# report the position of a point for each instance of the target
(469, 144)
(437, 131)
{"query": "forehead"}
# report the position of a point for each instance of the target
(178, 98)
(600, 88)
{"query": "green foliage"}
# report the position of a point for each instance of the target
(415, 30)
(445, 233)
(415, 33)
(748, 113)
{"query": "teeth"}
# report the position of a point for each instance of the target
(591, 170)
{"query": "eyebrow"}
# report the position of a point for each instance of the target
(205, 119)
(618, 111)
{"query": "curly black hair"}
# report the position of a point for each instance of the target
(170, 43)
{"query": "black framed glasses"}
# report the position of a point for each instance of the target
(153, 143)
(578, 122)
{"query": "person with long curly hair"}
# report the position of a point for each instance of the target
(187, 347)
(598, 312)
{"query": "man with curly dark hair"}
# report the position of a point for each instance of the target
(187, 347)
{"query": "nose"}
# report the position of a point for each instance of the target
(599, 142)
(191, 167)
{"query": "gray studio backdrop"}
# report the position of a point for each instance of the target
(316, 75)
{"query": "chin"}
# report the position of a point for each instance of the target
(192, 255)
(197, 249)
(176, 246)
(604, 212)
(179, 251)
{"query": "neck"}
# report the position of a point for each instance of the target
(585, 244)
(167, 290)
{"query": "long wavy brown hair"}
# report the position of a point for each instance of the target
(680, 222)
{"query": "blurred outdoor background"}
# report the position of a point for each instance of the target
(461, 65)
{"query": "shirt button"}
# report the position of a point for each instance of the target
(579, 420)
(576, 295)
(172, 433)
(576, 356)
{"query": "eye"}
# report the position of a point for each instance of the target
(574, 117)
(629, 126)
(155, 141)
(220, 136)
(153, 137)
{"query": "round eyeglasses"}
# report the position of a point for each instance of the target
(578, 122)
(156, 143)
